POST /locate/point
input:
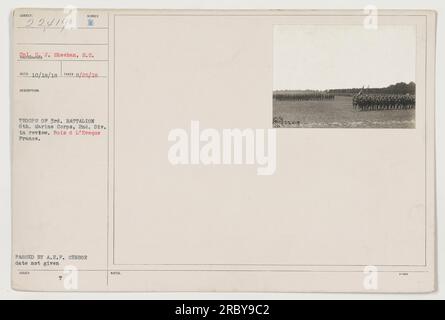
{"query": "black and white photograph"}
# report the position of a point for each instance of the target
(344, 76)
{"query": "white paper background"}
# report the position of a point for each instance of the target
(5, 212)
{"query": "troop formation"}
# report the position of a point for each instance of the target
(313, 96)
(367, 102)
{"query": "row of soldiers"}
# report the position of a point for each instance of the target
(314, 96)
(367, 102)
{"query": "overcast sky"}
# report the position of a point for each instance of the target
(328, 57)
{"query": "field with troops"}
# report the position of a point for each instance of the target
(391, 107)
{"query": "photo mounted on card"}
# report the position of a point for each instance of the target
(336, 76)
(223, 150)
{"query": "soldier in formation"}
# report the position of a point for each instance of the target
(315, 96)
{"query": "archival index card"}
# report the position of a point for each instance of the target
(288, 151)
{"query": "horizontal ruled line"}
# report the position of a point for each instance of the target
(63, 28)
(54, 60)
(60, 44)
(216, 270)
(61, 77)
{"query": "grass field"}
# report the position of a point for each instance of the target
(338, 113)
